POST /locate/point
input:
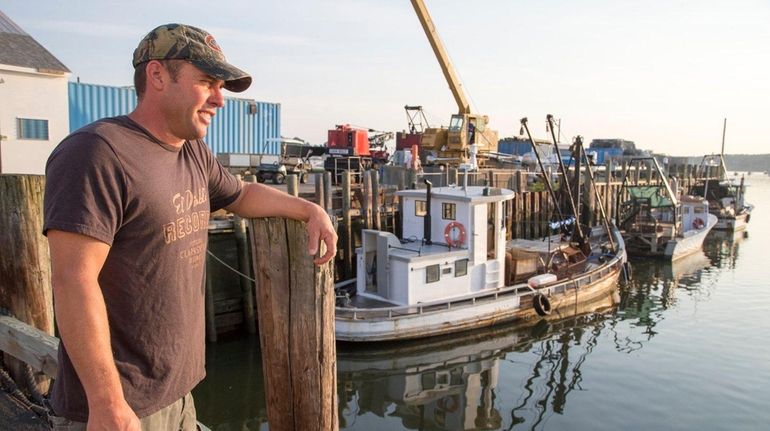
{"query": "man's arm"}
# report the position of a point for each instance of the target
(257, 200)
(81, 317)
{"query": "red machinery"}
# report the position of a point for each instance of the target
(417, 124)
(351, 148)
(345, 140)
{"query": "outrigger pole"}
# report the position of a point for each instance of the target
(605, 220)
(548, 180)
(563, 171)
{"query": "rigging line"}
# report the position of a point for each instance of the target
(230, 267)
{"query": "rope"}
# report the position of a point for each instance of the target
(230, 267)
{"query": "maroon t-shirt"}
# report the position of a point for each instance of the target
(150, 202)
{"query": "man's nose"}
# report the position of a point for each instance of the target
(217, 98)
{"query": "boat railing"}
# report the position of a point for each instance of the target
(521, 289)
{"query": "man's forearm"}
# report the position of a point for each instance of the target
(258, 200)
(81, 317)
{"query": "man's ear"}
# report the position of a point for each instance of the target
(157, 75)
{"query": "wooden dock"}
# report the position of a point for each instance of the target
(366, 201)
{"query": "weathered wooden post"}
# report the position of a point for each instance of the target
(328, 204)
(319, 191)
(590, 197)
(292, 185)
(366, 200)
(347, 228)
(244, 266)
(608, 188)
(295, 300)
(375, 182)
(25, 263)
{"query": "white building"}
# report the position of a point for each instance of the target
(34, 112)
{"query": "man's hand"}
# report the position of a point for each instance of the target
(259, 200)
(319, 228)
(119, 417)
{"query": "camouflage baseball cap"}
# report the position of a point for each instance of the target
(184, 42)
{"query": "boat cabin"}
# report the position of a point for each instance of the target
(453, 244)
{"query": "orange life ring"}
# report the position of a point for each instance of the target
(448, 404)
(450, 239)
(698, 223)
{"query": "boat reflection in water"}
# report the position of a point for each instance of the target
(450, 383)
(722, 247)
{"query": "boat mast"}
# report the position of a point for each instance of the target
(722, 157)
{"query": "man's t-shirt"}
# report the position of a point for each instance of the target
(150, 202)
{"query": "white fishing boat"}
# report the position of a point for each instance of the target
(453, 269)
(654, 221)
(726, 199)
(726, 196)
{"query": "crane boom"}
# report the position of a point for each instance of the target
(442, 57)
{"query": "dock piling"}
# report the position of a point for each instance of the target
(25, 264)
(295, 299)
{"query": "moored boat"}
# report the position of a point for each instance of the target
(655, 221)
(727, 199)
(415, 287)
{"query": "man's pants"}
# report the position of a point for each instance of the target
(178, 416)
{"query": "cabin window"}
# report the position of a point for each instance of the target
(448, 211)
(432, 273)
(420, 208)
(461, 267)
(456, 123)
(699, 210)
(32, 129)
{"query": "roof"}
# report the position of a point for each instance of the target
(17, 48)
(474, 194)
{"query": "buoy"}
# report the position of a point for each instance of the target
(450, 238)
(542, 304)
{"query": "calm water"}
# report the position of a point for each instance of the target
(688, 347)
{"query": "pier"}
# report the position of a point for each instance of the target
(279, 303)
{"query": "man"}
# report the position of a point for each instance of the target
(126, 213)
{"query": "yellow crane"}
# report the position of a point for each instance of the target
(465, 128)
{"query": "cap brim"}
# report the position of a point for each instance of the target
(235, 79)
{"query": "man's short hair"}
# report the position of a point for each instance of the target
(140, 74)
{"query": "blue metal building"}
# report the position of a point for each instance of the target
(241, 126)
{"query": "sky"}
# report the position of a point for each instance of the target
(664, 74)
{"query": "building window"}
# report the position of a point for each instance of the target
(432, 274)
(32, 129)
(461, 267)
(448, 211)
(420, 208)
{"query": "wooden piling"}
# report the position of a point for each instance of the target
(319, 191)
(25, 263)
(211, 322)
(375, 182)
(296, 318)
(366, 201)
(347, 229)
(328, 204)
(292, 185)
(244, 267)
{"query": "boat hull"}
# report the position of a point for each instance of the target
(737, 223)
(477, 311)
(681, 247)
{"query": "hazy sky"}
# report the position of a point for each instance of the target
(661, 73)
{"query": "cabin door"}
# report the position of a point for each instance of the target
(492, 231)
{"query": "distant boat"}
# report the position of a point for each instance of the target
(655, 222)
(726, 197)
